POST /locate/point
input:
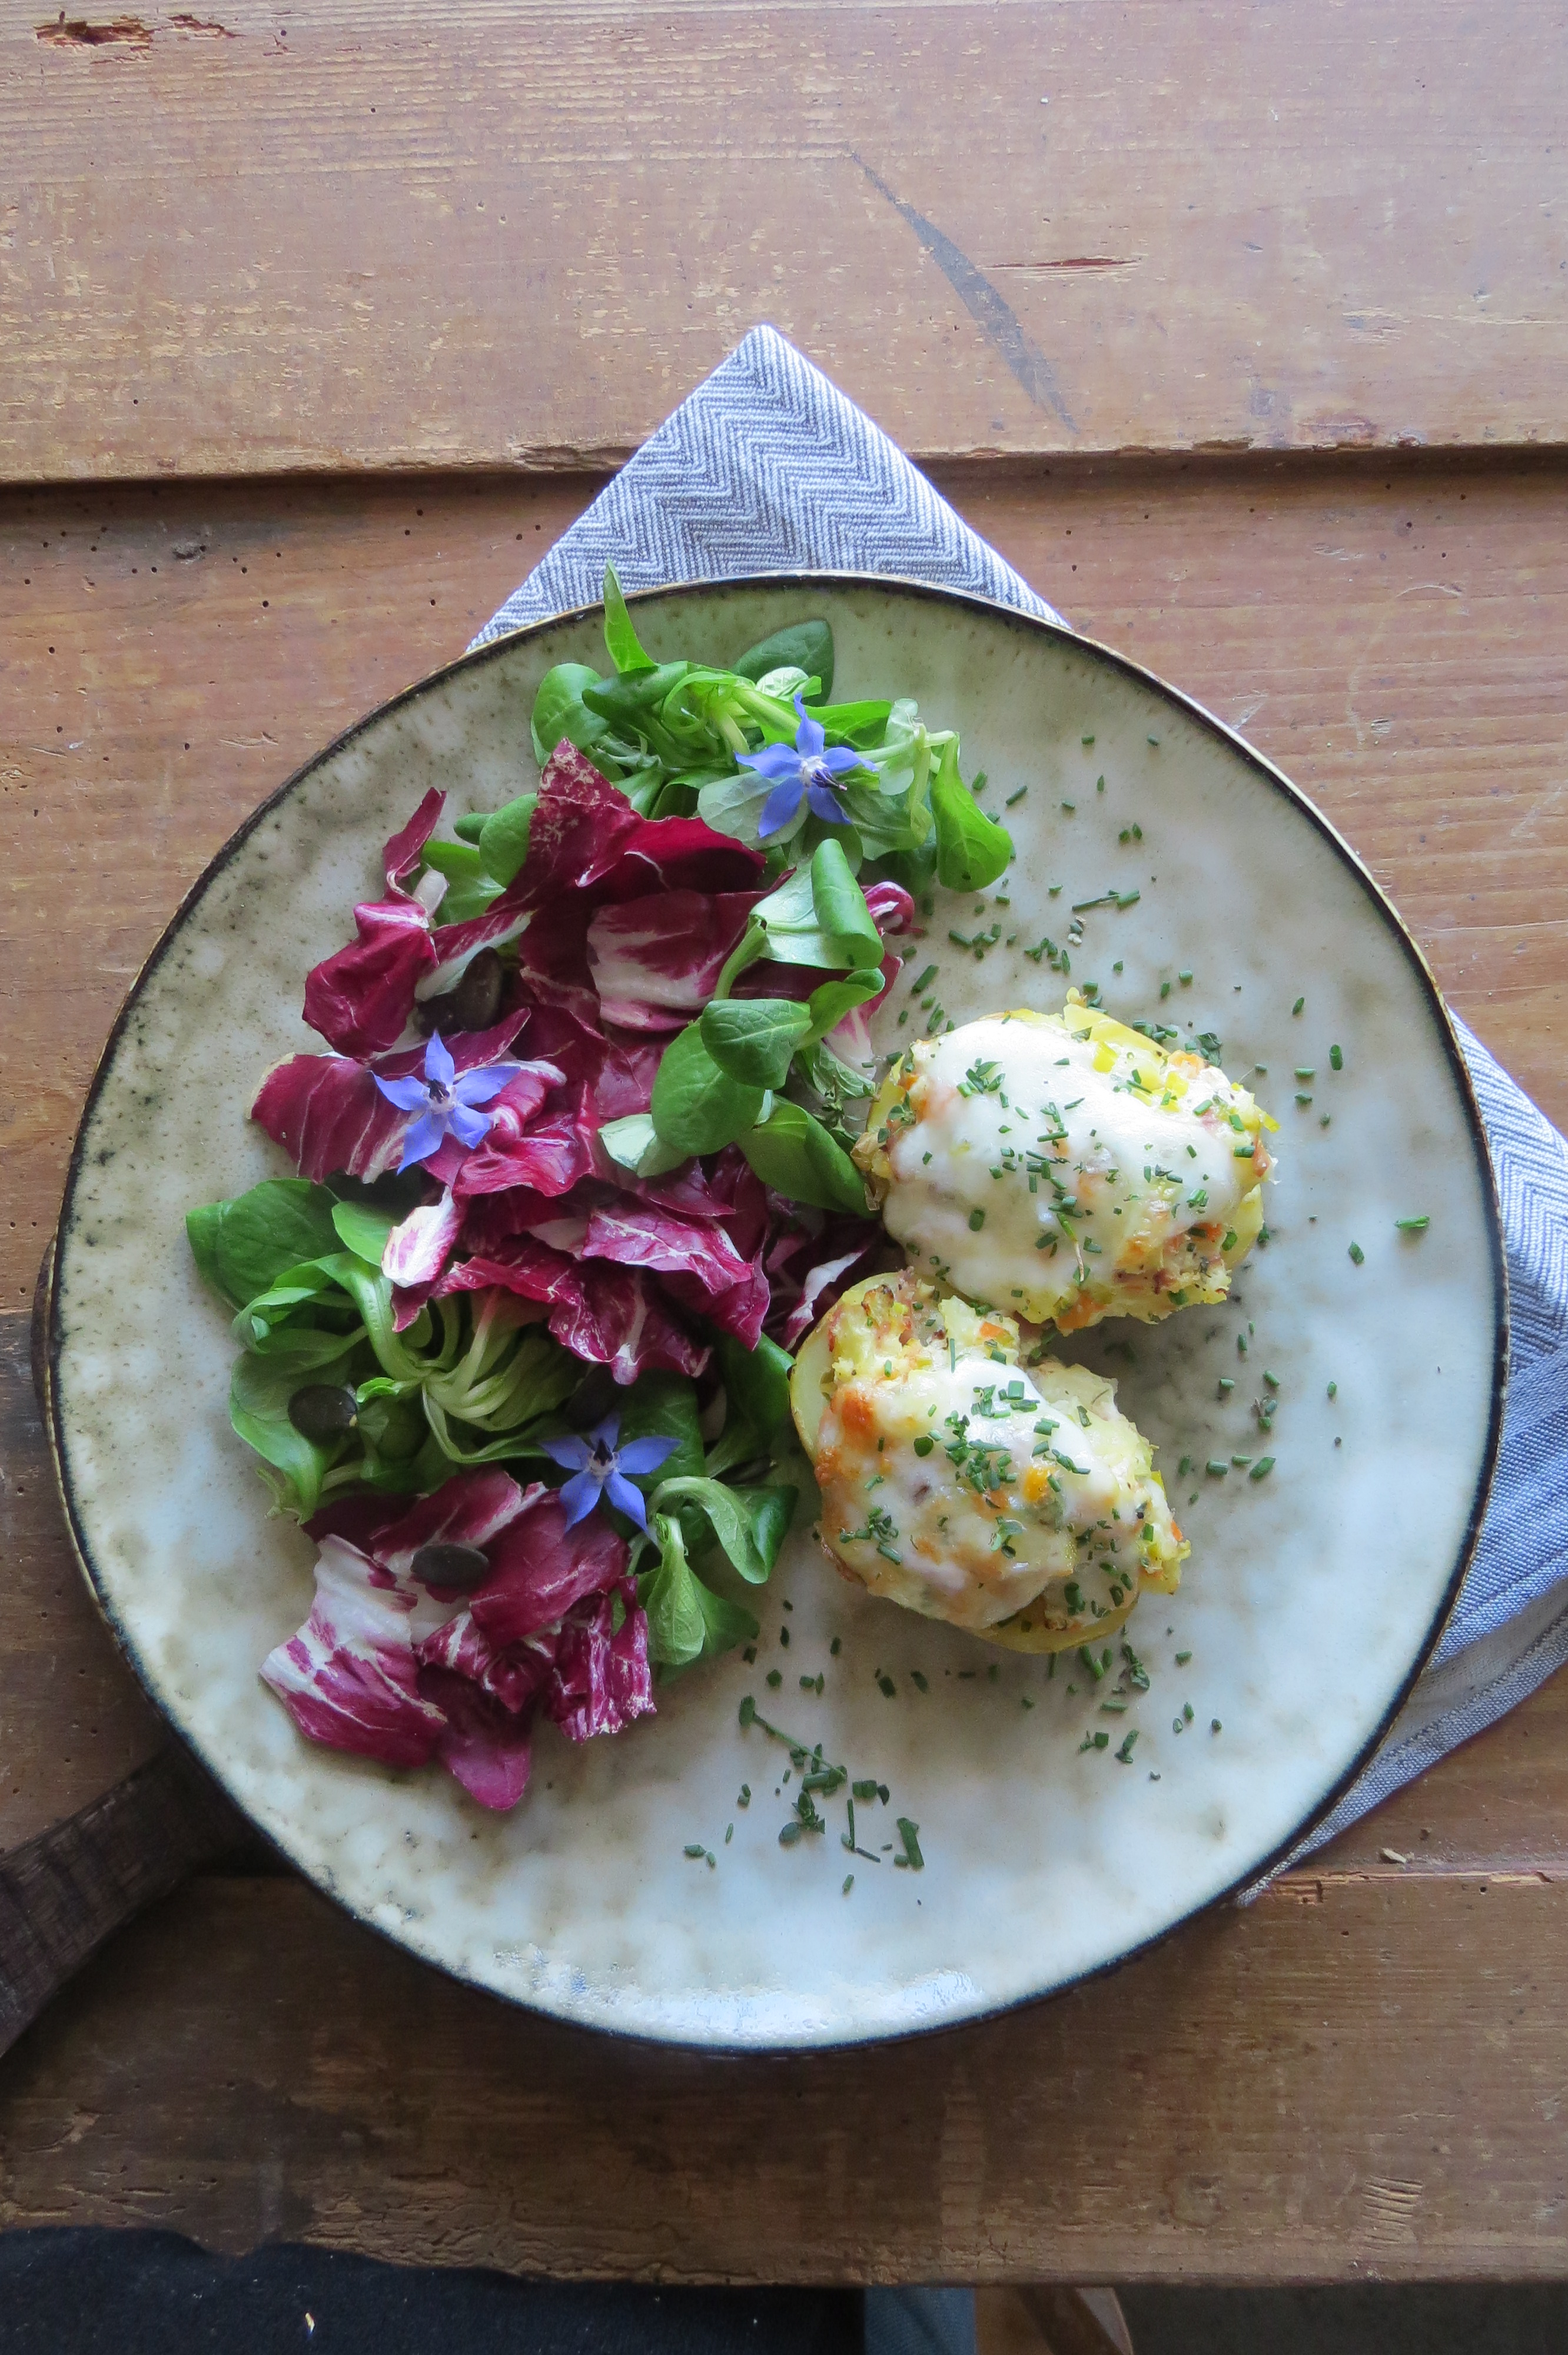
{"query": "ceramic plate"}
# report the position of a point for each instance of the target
(1311, 1595)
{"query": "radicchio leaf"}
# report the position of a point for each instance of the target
(384, 1668)
(349, 1679)
(402, 854)
(360, 998)
(892, 908)
(611, 1315)
(587, 838)
(483, 1745)
(808, 1268)
(549, 1157)
(656, 962)
(700, 1264)
(470, 1508)
(539, 1568)
(603, 1678)
(455, 946)
(420, 1247)
(328, 1115)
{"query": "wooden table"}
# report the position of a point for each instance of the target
(1243, 332)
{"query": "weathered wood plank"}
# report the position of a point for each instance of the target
(377, 235)
(199, 640)
(1362, 2082)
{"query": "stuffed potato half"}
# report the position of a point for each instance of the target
(1008, 1496)
(1065, 1169)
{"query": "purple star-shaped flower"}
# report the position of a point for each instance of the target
(599, 1468)
(801, 768)
(445, 1100)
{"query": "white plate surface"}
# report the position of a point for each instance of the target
(1310, 1597)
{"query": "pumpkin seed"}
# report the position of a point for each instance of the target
(323, 1411)
(462, 1567)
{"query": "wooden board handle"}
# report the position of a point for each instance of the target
(63, 1893)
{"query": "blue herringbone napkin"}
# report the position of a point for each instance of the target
(767, 467)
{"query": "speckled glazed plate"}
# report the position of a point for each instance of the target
(1311, 1596)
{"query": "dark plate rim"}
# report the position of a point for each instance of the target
(1028, 624)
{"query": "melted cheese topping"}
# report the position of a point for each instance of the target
(966, 1485)
(1065, 1169)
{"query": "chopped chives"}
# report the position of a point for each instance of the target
(977, 1220)
(1217, 1467)
(910, 1834)
(927, 978)
(1070, 807)
(1182, 1658)
(1412, 1226)
(1013, 799)
(1299, 1004)
(1262, 1468)
(849, 1884)
(1357, 1254)
(1336, 1060)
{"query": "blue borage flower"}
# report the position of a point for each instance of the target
(599, 1469)
(445, 1101)
(801, 768)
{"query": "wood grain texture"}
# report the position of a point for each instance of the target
(516, 231)
(65, 1892)
(1364, 2081)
